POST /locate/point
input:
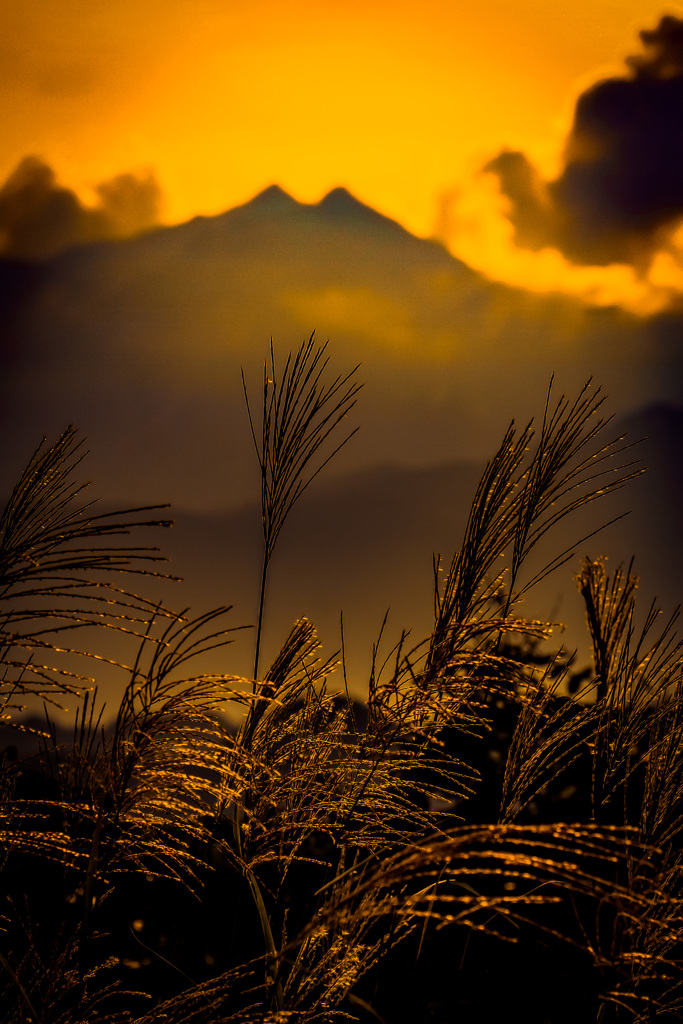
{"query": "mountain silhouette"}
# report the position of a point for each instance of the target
(140, 343)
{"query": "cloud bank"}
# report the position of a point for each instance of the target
(619, 198)
(609, 227)
(39, 217)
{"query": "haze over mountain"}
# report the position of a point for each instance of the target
(139, 342)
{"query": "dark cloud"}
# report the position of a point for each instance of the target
(620, 194)
(39, 217)
(531, 207)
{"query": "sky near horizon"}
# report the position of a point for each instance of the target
(402, 103)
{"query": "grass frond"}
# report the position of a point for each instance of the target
(637, 676)
(300, 411)
(529, 486)
(60, 566)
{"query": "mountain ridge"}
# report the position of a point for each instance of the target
(272, 223)
(264, 219)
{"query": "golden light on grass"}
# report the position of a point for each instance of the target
(331, 844)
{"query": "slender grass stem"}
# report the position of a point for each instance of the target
(269, 940)
(34, 1017)
(259, 624)
(301, 409)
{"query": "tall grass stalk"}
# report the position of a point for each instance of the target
(301, 410)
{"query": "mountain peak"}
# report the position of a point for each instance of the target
(271, 199)
(339, 205)
(340, 201)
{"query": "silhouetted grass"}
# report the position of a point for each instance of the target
(406, 859)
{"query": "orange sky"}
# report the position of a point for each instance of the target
(399, 101)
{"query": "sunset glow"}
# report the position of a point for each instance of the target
(399, 102)
(476, 229)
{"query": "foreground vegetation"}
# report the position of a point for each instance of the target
(490, 832)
